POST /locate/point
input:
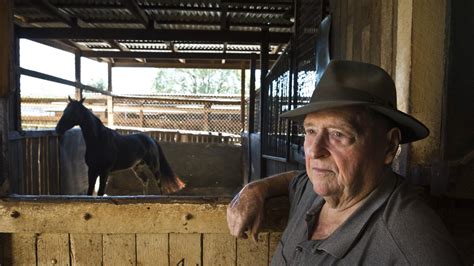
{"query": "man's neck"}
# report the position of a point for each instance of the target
(336, 210)
(331, 218)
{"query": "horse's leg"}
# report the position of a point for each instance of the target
(145, 187)
(92, 179)
(142, 173)
(103, 181)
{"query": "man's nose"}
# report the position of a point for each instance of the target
(318, 147)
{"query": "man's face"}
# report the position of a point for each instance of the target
(344, 153)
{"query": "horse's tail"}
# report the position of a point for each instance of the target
(170, 182)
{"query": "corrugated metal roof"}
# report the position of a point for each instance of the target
(210, 25)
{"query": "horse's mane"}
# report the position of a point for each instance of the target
(99, 127)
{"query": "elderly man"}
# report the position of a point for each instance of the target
(349, 207)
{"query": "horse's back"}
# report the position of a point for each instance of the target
(134, 148)
(137, 139)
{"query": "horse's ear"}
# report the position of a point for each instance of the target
(82, 100)
(69, 98)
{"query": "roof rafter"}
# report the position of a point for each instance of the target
(145, 34)
(47, 7)
(154, 55)
(133, 7)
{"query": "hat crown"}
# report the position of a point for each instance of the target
(346, 83)
(355, 81)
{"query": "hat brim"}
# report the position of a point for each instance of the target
(411, 128)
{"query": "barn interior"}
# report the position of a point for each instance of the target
(426, 46)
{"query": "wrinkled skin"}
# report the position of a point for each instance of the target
(245, 212)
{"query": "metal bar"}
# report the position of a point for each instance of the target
(40, 75)
(274, 158)
(148, 34)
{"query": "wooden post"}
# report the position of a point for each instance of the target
(427, 86)
(110, 99)
(142, 117)
(264, 49)
(7, 83)
(242, 98)
(207, 111)
(251, 115)
(6, 39)
(77, 62)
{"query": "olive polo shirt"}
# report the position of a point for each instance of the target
(393, 227)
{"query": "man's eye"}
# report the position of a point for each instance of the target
(337, 134)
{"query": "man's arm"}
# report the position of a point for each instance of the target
(245, 211)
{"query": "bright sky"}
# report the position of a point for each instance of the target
(55, 62)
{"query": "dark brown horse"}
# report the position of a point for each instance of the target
(108, 151)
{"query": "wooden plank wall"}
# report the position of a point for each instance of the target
(135, 249)
(87, 232)
(34, 163)
(364, 30)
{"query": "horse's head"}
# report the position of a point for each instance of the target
(72, 116)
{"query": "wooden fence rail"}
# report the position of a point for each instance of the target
(184, 113)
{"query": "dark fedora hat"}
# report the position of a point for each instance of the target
(355, 83)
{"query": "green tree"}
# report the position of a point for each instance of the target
(197, 81)
(97, 83)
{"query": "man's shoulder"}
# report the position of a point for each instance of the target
(416, 229)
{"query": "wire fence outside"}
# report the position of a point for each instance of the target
(215, 115)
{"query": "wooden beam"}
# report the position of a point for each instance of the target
(48, 8)
(211, 64)
(133, 7)
(59, 214)
(224, 21)
(147, 34)
(287, 25)
(175, 55)
(114, 44)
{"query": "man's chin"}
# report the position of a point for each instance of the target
(321, 189)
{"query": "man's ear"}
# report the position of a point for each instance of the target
(394, 136)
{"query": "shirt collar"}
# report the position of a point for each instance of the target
(339, 242)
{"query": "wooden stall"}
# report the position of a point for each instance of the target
(128, 231)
